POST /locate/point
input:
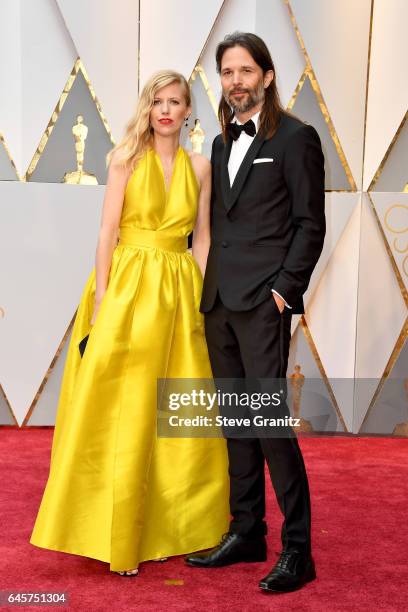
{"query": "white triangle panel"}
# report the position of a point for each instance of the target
(381, 308)
(39, 56)
(389, 413)
(336, 38)
(173, 34)
(105, 34)
(47, 250)
(234, 15)
(339, 208)
(388, 81)
(274, 26)
(331, 316)
(306, 106)
(48, 57)
(381, 311)
(331, 313)
(10, 79)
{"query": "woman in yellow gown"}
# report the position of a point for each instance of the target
(116, 491)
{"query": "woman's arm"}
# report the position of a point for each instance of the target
(201, 233)
(108, 233)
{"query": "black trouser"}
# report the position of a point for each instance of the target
(255, 344)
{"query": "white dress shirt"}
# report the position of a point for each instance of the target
(239, 148)
(238, 151)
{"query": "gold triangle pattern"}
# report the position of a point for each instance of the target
(9, 407)
(390, 364)
(3, 142)
(316, 356)
(387, 153)
(309, 72)
(297, 91)
(199, 71)
(47, 375)
(209, 35)
(78, 66)
(370, 37)
(394, 265)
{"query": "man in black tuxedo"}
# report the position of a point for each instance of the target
(267, 233)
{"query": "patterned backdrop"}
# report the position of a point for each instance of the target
(341, 66)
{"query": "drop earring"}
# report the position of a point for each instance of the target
(186, 121)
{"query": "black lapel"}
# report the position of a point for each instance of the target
(225, 181)
(235, 189)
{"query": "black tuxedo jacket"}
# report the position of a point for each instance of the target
(267, 230)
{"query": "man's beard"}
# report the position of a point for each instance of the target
(254, 97)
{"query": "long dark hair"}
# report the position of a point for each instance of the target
(272, 107)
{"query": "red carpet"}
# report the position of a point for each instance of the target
(359, 491)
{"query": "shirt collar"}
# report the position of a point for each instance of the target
(255, 119)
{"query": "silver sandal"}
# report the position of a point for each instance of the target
(128, 573)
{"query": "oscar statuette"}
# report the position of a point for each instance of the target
(79, 176)
(297, 380)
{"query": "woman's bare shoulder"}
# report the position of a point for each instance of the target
(201, 165)
(118, 167)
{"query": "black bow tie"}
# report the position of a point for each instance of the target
(235, 130)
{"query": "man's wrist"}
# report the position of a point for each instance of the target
(282, 298)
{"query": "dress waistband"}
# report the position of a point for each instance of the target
(159, 239)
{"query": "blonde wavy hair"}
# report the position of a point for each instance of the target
(138, 136)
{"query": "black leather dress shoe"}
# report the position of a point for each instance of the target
(291, 572)
(233, 548)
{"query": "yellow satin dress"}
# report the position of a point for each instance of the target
(116, 492)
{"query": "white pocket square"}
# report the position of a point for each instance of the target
(262, 160)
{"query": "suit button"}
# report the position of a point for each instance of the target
(224, 243)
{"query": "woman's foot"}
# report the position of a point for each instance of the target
(128, 573)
